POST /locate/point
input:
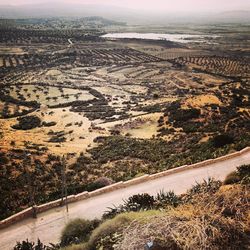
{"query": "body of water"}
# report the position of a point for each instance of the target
(180, 38)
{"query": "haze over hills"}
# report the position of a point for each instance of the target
(110, 101)
(62, 9)
(119, 13)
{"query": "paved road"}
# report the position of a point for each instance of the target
(49, 224)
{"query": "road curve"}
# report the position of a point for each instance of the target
(48, 225)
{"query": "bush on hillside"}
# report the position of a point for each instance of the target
(77, 231)
(133, 203)
(232, 178)
(3, 159)
(163, 199)
(209, 186)
(27, 123)
(212, 221)
(222, 140)
(109, 233)
(107, 230)
(99, 183)
(139, 201)
(242, 175)
(29, 245)
(183, 115)
(144, 202)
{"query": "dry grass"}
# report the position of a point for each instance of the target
(116, 224)
(220, 221)
(210, 220)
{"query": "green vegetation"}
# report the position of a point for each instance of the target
(27, 245)
(59, 73)
(100, 183)
(210, 222)
(160, 154)
(208, 216)
(27, 122)
(116, 158)
(14, 191)
(183, 115)
(77, 231)
(222, 140)
(232, 178)
(241, 175)
(142, 202)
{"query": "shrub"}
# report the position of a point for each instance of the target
(207, 186)
(77, 231)
(167, 199)
(3, 159)
(232, 178)
(29, 245)
(222, 140)
(108, 228)
(144, 202)
(108, 234)
(99, 183)
(27, 122)
(57, 139)
(48, 124)
(103, 181)
(242, 174)
(139, 201)
(134, 203)
(212, 221)
(183, 115)
(155, 96)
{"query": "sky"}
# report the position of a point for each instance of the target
(150, 5)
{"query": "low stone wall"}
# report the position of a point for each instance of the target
(16, 217)
(106, 189)
(47, 206)
(136, 180)
(85, 195)
(82, 196)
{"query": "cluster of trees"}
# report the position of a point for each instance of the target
(160, 154)
(27, 36)
(95, 57)
(27, 122)
(227, 66)
(17, 171)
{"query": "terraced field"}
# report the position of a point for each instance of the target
(84, 58)
(115, 109)
(227, 66)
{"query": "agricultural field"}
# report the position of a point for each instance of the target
(115, 108)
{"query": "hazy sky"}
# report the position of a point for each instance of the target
(162, 5)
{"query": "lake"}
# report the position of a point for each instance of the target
(180, 38)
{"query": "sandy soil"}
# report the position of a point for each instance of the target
(202, 100)
(76, 142)
(11, 50)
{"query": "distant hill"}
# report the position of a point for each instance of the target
(56, 9)
(234, 16)
(61, 10)
(72, 22)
